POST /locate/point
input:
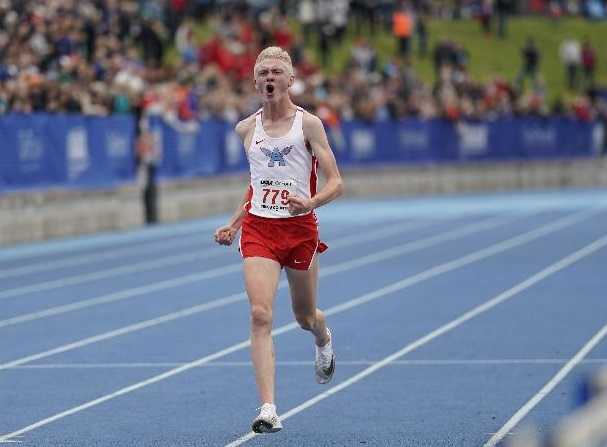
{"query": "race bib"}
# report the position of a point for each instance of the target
(272, 195)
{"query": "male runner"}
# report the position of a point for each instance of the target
(284, 146)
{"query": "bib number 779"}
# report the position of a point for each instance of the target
(272, 195)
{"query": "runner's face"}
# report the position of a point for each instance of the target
(272, 79)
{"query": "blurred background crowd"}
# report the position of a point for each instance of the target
(363, 59)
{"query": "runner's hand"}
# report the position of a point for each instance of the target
(225, 235)
(298, 205)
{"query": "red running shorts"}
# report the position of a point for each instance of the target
(292, 241)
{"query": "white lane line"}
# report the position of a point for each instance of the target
(129, 389)
(194, 240)
(126, 330)
(231, 268)
(190, 242)
(308, 363)
(123, 295)
(547, 388)
(406, 282)
(166, 261)
(363, 236)
(105, 241)
(12, 441)
(418, 245)
(331, 311)
(241, 296)
(504, 296)
(136, 267)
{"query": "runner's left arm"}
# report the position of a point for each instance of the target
(316, 136)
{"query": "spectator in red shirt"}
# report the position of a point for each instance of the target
(588, 62)
(582, 110)
(283, 37)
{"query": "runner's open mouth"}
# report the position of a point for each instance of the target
(269, 88)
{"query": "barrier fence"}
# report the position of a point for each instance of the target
(41, 151)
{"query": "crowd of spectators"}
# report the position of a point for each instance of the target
(102, 57)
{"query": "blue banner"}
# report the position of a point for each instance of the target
(414, 141)
(41, 151)
(27, 157)
(189, 149)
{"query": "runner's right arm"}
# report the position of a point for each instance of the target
(225, 235)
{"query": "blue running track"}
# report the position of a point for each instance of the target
(457, 320)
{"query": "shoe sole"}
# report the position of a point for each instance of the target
(327, 377)
(264, 427)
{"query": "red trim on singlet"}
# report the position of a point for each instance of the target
(313, 176)
(247, 205)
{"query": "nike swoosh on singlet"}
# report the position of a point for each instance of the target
(257, 142)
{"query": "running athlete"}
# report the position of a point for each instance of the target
(284, 145)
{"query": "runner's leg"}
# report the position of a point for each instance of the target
(261, 280)
(303, 285)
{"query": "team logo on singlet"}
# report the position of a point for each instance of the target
(276, 156)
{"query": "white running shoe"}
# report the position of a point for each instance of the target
(267, 421)
(324, 364)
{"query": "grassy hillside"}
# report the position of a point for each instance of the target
(490, 56)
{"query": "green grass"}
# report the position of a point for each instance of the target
(489, 56)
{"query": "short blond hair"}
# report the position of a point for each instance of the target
(274, 53)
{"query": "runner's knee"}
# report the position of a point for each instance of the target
(306, 321)
(261, 316)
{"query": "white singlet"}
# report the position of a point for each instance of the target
(280, 167)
